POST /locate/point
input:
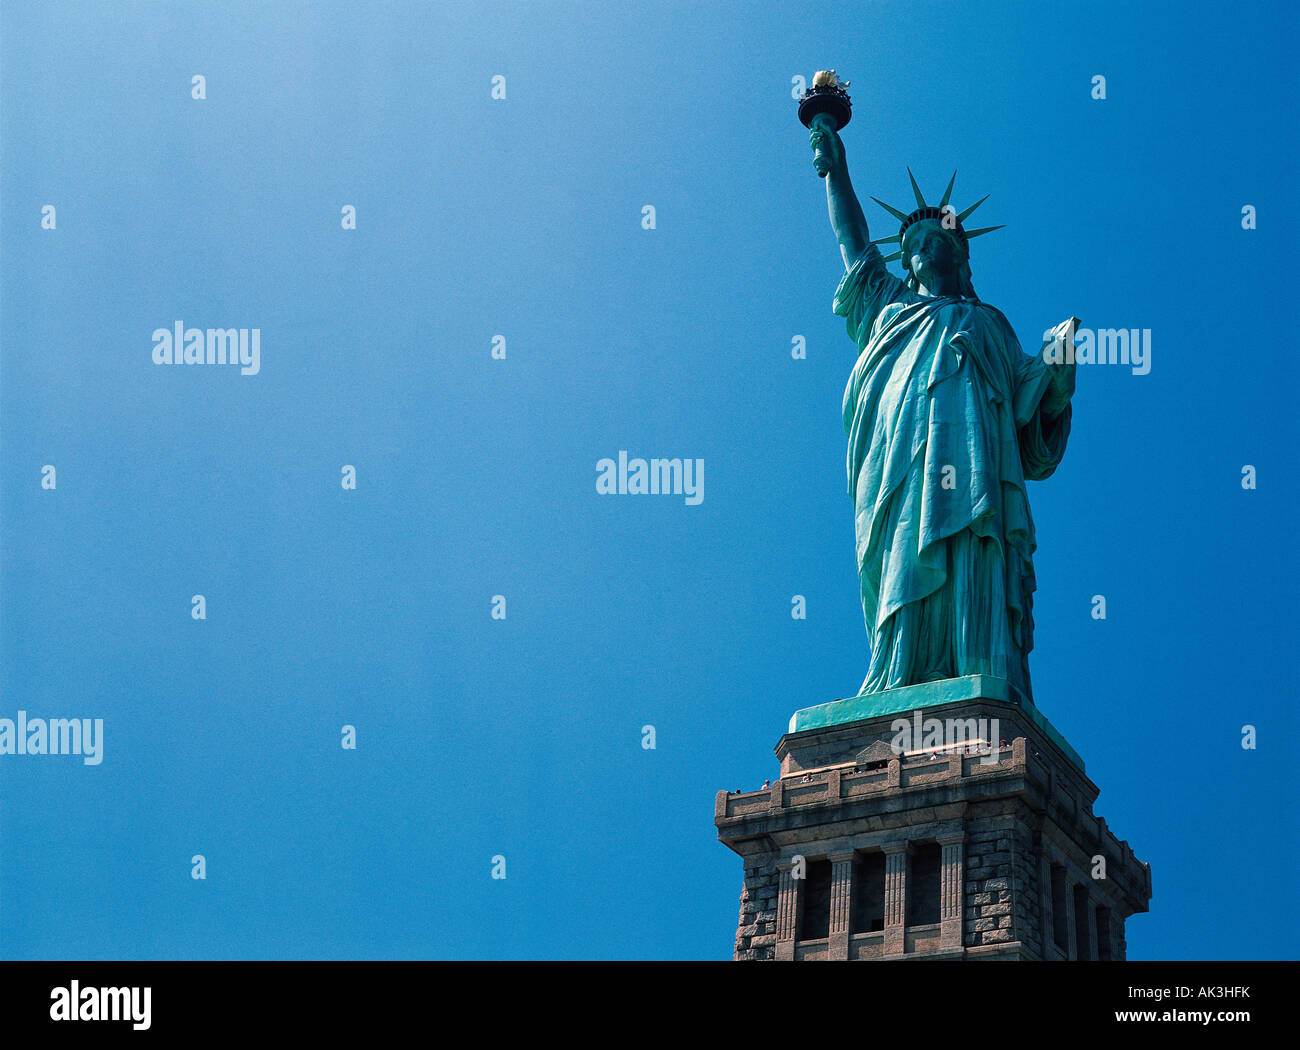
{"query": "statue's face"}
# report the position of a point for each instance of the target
(931, 251)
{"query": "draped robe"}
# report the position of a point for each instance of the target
(945, 417)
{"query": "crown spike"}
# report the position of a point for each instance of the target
(891, 258)
(900, 216)
(962, 216)
(948, 192)
(920, 201)
(896, 239)
(986, 229)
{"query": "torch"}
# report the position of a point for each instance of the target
(826, 105)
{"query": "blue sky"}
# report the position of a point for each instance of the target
(476, 477)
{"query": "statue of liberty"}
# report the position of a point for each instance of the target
(946, 418)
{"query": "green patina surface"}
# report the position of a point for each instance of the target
(930, 694)
(947, 420)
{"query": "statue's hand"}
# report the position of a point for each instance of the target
(1061, 387)
(1063, 382)
(822, 136)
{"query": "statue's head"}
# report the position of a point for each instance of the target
(931, 252)
(930, 249)
(932, 242)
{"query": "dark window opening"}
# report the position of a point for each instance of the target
(869, 893)
(1060, 932)
(815, 917)
(923, 868)
(1081, 923)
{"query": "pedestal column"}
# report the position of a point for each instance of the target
(895, 898)
(1048, 925)
(842, 874)
(952, 895)
(1072, 948)
(787, 912)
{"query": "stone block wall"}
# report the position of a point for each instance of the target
(756, 931)
(1002, 879)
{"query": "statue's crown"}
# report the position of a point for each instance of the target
(947, 216)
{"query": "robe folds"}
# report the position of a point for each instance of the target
(945, 417)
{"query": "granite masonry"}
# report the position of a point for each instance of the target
(983, 848)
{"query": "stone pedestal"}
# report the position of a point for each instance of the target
(947, 820)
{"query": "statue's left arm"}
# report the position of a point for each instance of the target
(1044, 387)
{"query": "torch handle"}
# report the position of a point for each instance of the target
(821, 162)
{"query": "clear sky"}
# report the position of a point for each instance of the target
(522, 217)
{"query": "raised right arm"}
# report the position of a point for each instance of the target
(847, 220)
